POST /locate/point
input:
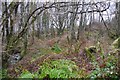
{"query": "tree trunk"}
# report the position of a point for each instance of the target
(80, 23)
(5, 36)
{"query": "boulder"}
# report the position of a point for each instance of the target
(91, 49)
(116, 44)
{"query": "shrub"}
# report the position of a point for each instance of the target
(56, 49)
(26, 74)
(107, 71)
(59, 69)
(3, 73)
(54, 69)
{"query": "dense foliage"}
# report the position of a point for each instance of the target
(55, 69)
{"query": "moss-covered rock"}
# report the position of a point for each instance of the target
(90, 52)
(91, 49)
(116, 44)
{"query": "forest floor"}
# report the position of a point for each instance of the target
(40, 51)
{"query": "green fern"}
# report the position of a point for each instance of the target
(26, 74)
(56, 49)
(59, 69)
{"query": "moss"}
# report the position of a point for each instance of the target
(116, 44)
(92, 49)
(90, 52)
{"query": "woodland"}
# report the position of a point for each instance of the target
(60, 40)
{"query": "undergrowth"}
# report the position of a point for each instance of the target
(105, 70)
(104, 64)
(55, 69)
